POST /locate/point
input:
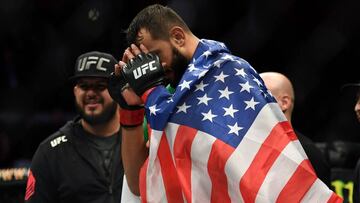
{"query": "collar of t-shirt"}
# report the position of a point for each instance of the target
(99, 142)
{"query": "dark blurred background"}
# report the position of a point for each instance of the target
(314, 43)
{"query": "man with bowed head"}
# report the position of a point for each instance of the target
(206, 135)
(283, 91)
(81, 162)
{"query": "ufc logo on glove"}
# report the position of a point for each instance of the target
(140, 71)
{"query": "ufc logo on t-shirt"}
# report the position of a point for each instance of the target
(58, 141)
(86, 62)
(142, 70)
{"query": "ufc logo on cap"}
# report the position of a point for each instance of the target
(142, 70)
(86, 62)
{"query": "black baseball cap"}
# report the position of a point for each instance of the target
(93, 64)
(351, 89)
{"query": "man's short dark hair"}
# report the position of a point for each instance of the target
(157, 19)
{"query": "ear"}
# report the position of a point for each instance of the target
(177, 36)
(285, 102)
(75, 89)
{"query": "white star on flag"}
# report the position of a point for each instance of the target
(257, 81)
(208, 116)
(251, 103)
(235, 129)
(228, 57)
(202, 73)
(204, 99)
(185, 84)
(245, 86)
(207, 53)
(153, 109)
(170, 100)
(218, 63)
(192, 67)
(200, 86)
(222, 45)
(264, 93)
(240, 62)
(221, 77)
(240, 72)
(182, 108)
(207, 67)
(230, 111)
(225, 93)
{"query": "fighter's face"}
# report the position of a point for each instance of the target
(177, 66)
(93, 100)
(357, 106)
(173, 61)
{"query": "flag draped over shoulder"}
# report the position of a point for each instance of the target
(221, 137)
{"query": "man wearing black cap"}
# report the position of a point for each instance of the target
(81, 162)
(356, 193)
(357, 105)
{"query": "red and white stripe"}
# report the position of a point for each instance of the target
(269, 165)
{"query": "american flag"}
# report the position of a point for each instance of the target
(221, 137)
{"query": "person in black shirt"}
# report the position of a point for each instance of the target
(282, 89)
(356, 193)
(81, 162)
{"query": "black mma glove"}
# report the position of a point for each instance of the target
(130, 115)
(144, 72)
(116, 85)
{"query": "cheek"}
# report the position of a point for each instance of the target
(79, 100)
(78, 95)
(167, 59)
(357, 106)
(106, 97)
(166, 56)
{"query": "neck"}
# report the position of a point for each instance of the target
(288, 117)
(104, 130)
(192, 45)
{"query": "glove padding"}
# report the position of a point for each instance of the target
(130, 115)
(144, 72)
(116, 85)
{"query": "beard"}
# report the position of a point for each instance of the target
(105, 116)
(178, 66)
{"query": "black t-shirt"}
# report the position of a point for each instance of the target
(316, 158)
(102, 148)
(356, 179)
(67, 168)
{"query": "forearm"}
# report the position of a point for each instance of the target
(134, 154)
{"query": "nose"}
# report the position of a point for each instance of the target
(90, 92)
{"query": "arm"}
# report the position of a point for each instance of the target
(126, 89)
(133, 148)
(40, 185)
(134, 154)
